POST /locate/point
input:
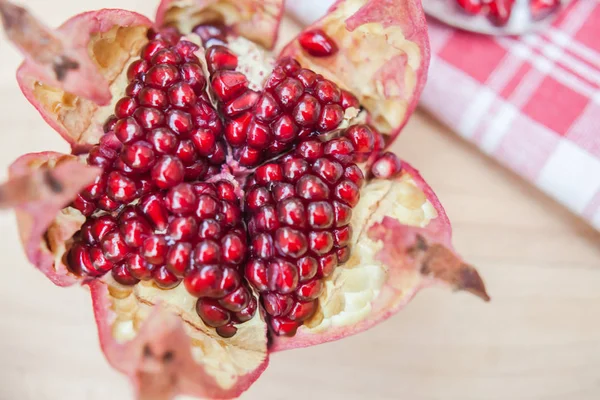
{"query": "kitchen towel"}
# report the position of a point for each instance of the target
(532, 102)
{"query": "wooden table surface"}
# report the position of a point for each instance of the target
(538, 339)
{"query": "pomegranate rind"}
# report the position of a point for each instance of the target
(40, 186)
(91, 81)
(159, 359)
(256, 20)
(413, 258)
(383, 57)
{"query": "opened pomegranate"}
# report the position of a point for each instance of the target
(222, 203)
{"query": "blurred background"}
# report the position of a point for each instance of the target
(538, 339)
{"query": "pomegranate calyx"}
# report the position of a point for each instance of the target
(58, 61)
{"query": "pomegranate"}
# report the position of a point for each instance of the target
(222, 203)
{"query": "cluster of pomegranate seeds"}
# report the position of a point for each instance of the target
(499, 11)
(296, 103)
(298, 211)
(145, 221)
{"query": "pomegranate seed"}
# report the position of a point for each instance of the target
(471, 6)
(284, 326)
(310, 290)
(110, 123)
(204, 141)
(228, 84)
(267, 108)
(167, 172)
(302, 311)
(165, 279)
(349, 100)
(166, 56)
(149, 118)
(121, 274)
(244, 102)
(127, 130)
(138, 156)
(135, 230)
(151, 49)
(327, 92)
(210, 31)
(226, 331)
(152, 206)
(212, 313)
(288, 92)
(331, 116)
(317, 43)
(154, 249)
(219, 57)
(125, 107)
(152, 97)
(541, 8)
(138, 267)
(114, 247)
(137, 69)
(181, 95)
(163, 140)
(387, 166)
(180, 122)
(500, 11)
(178, 258)
(307, 77)
(161, 76)
(306, 112)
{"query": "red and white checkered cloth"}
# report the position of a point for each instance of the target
(531, 102)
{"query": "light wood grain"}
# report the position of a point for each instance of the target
(538, 339)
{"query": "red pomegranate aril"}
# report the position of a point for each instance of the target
(302, 311)
(100, 263)
(250, 157)
(500, 11)
(204, 141)
(84, 206)
(120, 188)
(342, 214)
(320, 243)
(165, 279)
(277, 304)
(114, 247)
(307, 268)
(342, 236)
(240, 104)
(310, 290)
(258, 135)
(167, 172)
(209, 229)
(291, 212)
(144, 187)
(288, 92)
(178, 258)
(135, 230)
(307, 111)
(307, 77)
(226, 191)
(138, 267)
(284, 129)
(137, 69)
(386, 166)
(471, 6)
(134, 88)
(226, 331)
(186, 152)
(79, 260)
(127, 130)
(237, 300)
(110, 123)
(327, 92)
(207, 252)
(330, 171)
(256, 273)
(166, 56)
(163, 140)
(181, 95)
(283, 326)
(122, 275)
(233, 249)
(197, 170)
(152, 97)
(320, 215)
(154, 249)
(341, 149)
(101, 156)
(207, 207)
(149, 118)
(348, 100)
(282, 276)
(125, 107)
(289, 65)
(107, 204)
(219, 57)
(101, 226)
(193, 75)
(227, 85)
(180, 122)
(235, 129)
(152, 48)
(311, 187)
(182, 228)
(187, 50)
(138, 156)
(347, 192)
(317, 43)
(268, 173)
(95, 190)
(152, 206)
(331, 117)
(343, 254)
(310, 150)
(181, 199)
(327, 264)
(212, 313)
(161, 76)
(267, 108)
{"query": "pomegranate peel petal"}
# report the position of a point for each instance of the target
(41, 185)
(77, 105)
(383, 56)
(256, 20)
(163, 353)
(401, 244)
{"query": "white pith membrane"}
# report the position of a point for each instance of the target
(380, 52)
(351, 290)
(255, 20)
(111, 52)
